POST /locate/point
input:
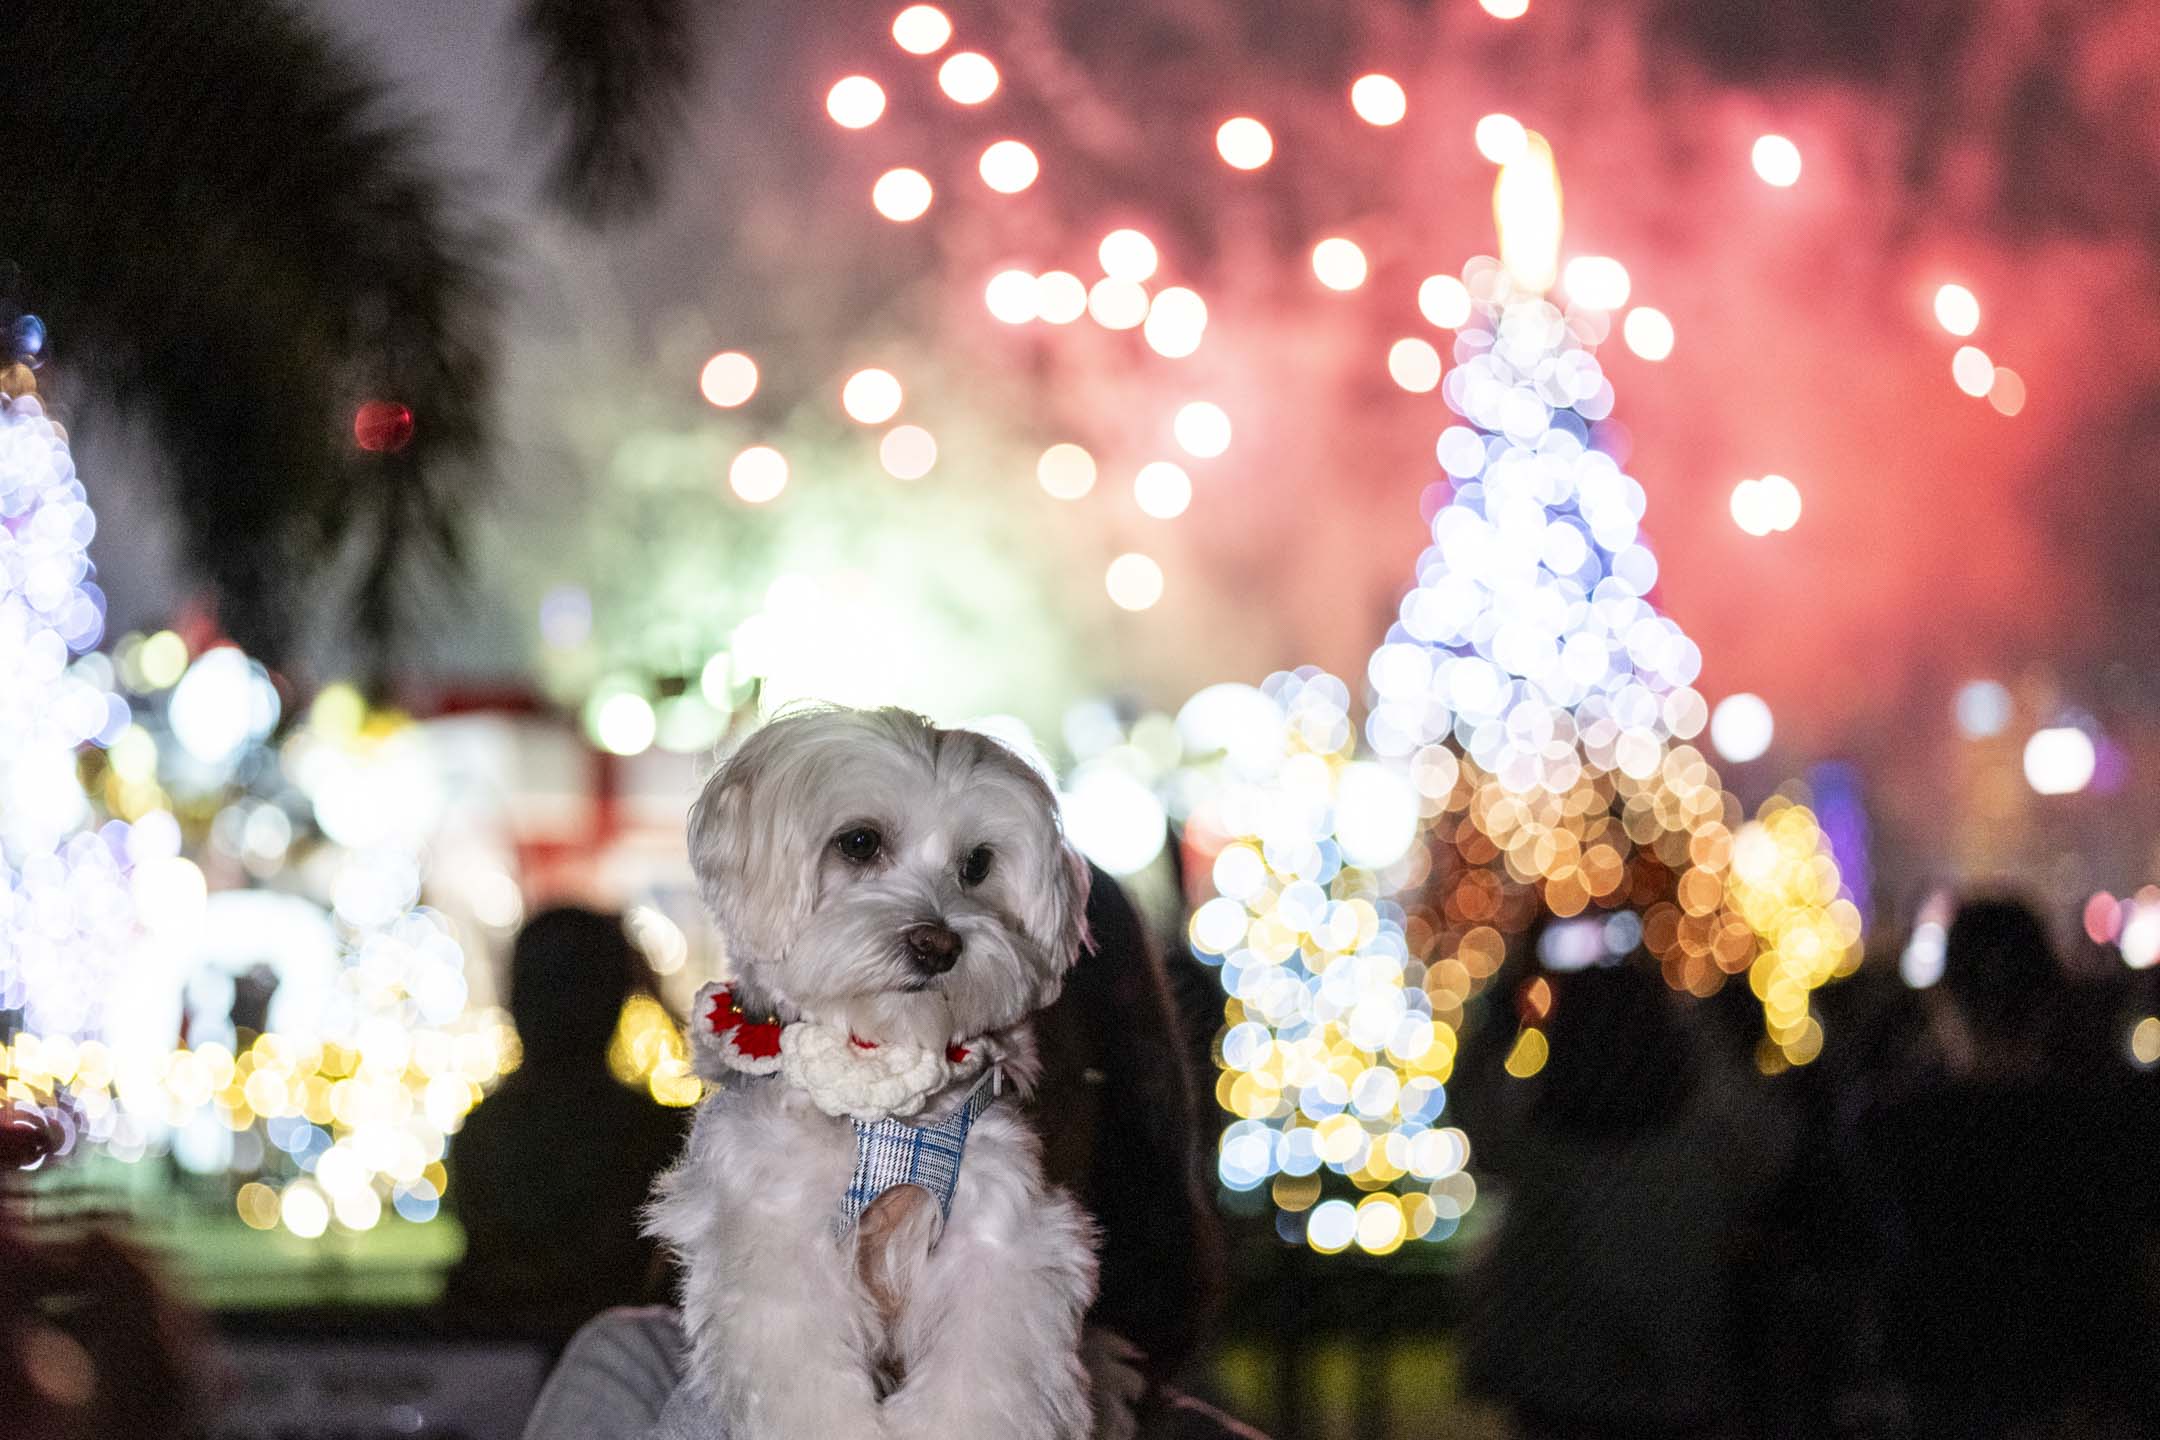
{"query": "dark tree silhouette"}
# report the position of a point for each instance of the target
(231, 237)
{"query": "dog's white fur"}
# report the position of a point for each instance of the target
(787, 1340)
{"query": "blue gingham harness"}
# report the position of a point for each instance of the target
(893, 1152)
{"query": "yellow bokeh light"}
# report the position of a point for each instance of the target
(2145, 1041)
(258, 1206)
(1527, 209)
(1529, 1053)
(162, 659)
(1381, 1225)
(1244, 143)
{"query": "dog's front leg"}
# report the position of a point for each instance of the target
(992, 1336)
(778, 1342)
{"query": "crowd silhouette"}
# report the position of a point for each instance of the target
(1948, 1226)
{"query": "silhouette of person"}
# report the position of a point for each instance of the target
(1629, 1164)
(2016, 1209)
(548, 1175)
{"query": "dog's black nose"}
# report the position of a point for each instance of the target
(934, 948)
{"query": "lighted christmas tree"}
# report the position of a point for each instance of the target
(1532, 711)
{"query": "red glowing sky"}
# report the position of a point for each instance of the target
(2007, 146)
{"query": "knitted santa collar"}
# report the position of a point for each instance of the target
(842, 1073)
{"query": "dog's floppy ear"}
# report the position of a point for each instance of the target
(1064, 904)
(749, 858)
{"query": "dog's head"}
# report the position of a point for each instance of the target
(870, 870)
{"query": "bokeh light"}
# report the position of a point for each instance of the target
(728, 379)
(1162, 489)
(1973, 371)
(1648, 333)
(1957, 310)
(1597, 282)
(2007, 394)
(1505, 9)
(1013, 296)
(901, 194)
(855, 102)
(1769, 504)
(758, 474)
(624, 724)
(968, 78)
(1009, 167)
(1444, 300)
(1415, 365)
(1110, 814)
(908, 452)
(1118, 304)
(1201, 429)
(2059, 760)
(1741, 727)
(1776, 160)
(871, 396)
(1065, 471)
(1983, 709)
(1127, 255)
(383, 427)
(1501, 138)
(1339, 263)
(1176, 322)
(1060, 297)
(1378, 100)
(1134, 581)
(1244, 143)
(921, 29)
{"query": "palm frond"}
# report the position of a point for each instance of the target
(228, 232)
(615, 74)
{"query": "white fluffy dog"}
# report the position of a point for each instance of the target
(896, 900)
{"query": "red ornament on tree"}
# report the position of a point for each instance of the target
(383, 427)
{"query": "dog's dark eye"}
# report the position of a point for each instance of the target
(859, 846)
(976, 868)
